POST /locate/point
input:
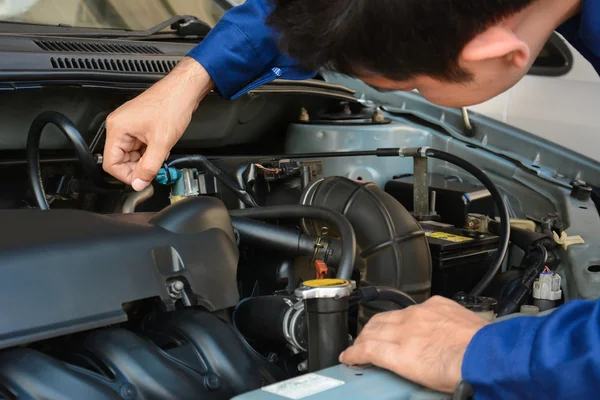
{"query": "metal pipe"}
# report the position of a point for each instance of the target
(134, 199)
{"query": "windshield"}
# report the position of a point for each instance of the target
(108, 14)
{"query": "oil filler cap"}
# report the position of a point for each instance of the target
(325, 289)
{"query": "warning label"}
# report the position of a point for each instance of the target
(448, 237)
(303, 386)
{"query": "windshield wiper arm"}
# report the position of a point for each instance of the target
(181, 25)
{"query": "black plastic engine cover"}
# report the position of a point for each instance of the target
(64, 271)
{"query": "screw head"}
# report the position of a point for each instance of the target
(127, 391)
(212, 382)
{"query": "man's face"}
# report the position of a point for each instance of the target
(496, 60)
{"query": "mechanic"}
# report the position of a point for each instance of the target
(456, 53)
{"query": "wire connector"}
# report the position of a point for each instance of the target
(168, 176)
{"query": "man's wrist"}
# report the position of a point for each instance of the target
(189, 81)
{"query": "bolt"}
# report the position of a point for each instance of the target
(98, 158)
(303, 366)
(304, 117)
(273, 358)
(212, 382)
(347, 109)
(378, 115)
(175, 288)
(127, 391)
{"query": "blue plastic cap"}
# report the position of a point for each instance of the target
(164, 178)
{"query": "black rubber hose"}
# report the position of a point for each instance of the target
(67, 127)
(518, 296)
(241, 194)
(504, 230)
(378, 293)
(344, 228)
(285, 240)
(395, 296)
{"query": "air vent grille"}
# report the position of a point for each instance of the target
(96, 47)
(114, 64)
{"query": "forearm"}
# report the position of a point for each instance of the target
(188, 83)
(527, 357)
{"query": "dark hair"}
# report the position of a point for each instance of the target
(398, 39)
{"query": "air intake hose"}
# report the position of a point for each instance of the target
(391, 242)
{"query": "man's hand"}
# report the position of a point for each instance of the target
(425, 343)
(141, 133)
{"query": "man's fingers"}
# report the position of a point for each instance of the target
(386, 332)
(376, 352)
(114, 163)
(148, 166)
(398, 358)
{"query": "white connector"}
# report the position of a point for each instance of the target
(547, 287)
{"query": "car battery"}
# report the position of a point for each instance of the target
(454, 199)
(459, 259)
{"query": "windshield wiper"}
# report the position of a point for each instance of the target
(181, 26)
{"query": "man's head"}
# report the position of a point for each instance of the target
(455, 52)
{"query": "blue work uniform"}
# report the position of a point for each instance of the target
(556, 356)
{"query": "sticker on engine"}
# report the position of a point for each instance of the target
(303, 386)
(448, 237)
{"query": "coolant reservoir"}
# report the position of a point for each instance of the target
(483, 306)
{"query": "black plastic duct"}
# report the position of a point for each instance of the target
(391, 241)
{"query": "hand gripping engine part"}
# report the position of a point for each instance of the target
(326, 303)
(390, 240)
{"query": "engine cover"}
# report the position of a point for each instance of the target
(64, 271)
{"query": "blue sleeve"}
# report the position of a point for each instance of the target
(556, 356)
(240, 52)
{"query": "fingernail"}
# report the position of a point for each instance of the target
(139, 184)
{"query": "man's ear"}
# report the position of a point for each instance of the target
(497, 42)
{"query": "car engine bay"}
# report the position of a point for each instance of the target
(280, 224)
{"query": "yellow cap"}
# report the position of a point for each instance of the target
(319, 283)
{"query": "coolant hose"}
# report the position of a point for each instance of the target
(504, 229)
(345, 230)
(67, 127)
(285, 240)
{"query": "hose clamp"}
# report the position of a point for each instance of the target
(290, 322)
